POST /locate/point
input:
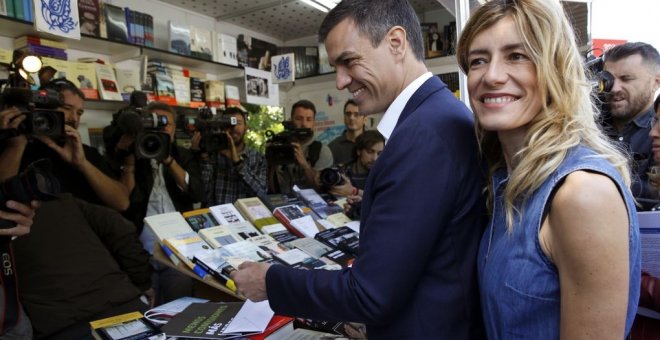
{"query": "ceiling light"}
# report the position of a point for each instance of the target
(322, 5)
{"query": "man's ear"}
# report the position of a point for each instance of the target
(396, 40)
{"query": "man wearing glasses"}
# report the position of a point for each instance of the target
(342, 146)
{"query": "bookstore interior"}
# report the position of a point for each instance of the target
(200, 58)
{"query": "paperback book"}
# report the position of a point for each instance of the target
(129, 326)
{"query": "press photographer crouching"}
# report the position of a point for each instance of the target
(161, 177)
(231, 170)
(349, 180)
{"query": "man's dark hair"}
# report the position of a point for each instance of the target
(374, 18)
(349, 102)
(233, 110)
(63, 84)
(366, 140)
(648, 53)
(305, 104)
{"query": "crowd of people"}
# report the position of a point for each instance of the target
(499, 214)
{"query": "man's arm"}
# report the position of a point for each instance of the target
(19, 214)
(12, 150)
(111, 192)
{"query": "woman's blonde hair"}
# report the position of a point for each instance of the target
(568, 115)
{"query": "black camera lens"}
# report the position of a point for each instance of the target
(42, 124)
(152, 145)
(330, 177)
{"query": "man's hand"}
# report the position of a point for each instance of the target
(10, 118)
(195, 142)
(72, 151)
(250, 279)
(230, 152)
(344, 189)
(22, 216)
(299, 154)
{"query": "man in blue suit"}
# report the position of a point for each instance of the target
(422, 211)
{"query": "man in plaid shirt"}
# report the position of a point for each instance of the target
(237, 171)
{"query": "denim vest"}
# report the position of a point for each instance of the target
(519, 285)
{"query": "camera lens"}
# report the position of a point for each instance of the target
(42, 124)
(330, 177)
(150, 145)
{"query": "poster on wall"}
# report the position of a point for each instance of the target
(259, 88)
(283, 68)
(57, 17)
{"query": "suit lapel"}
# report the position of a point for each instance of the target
(430, 86)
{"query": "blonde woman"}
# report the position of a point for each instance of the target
(560, 257)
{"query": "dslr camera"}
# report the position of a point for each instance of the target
(279, 150)
(601, 81)
(150, 141)
(212, 128)
(331, 177)
(39, 108)
(36, 182)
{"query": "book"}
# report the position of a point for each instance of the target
(279, 327)
(25, 40)
(186, 246)
(84, 75)
(338, 219)
(167, 225)
(128, 81)
(196, 92)
(224, 49)
(89, 13)
(163, 88)
(44, 51)
(342, 238)
(214, 92)
(283, 68)
(61, 67)
(255, 211)
(179, 38)
(218, 236)
(201, 43)
(215, 263)
(243, 230)
(348, 329)
(107, 82)
(148, 30)
(232, 96)
(7, 8)
(268, 244)
(226, 214)
(200, 219)
(129, 326)
(161, 314)
(181, 89)
(310, 246)
(115, 23)
(295, 220)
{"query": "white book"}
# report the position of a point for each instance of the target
(224, 49)
(310, 246)
(181, 89)
(167, 225)
(128, 81)
(107, 81)
(243, 230)
(226, 214)
(186, 246)
(201, 44)
(218, 236)
(179, 38)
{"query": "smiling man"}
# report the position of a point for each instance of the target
(636, 70)
(422, 211)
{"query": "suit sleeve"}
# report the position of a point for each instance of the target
(413, 200)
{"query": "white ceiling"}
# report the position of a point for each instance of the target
(281, 19)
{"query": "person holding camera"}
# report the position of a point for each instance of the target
(342, 146)
(235, 171)
(92, 180)
(635, 67)
(311, 156)
(157, 186)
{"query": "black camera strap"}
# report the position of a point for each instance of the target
(11, 308)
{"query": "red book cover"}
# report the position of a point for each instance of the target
(277, 322)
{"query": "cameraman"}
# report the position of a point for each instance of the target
(311, 156)
(98, 186)
(236, 171)
(635, 67)
(159, 187)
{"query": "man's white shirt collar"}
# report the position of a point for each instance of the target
(391, 116)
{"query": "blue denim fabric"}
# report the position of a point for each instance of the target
(519, 285)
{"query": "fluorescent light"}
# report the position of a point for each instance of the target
(329, 4)
(315, 5)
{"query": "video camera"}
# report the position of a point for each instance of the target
(39, 108)
(212, 128)
(278, 147)
(150, 141)
(36, 182)
(601, 81)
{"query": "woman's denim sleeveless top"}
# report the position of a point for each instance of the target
(519, 286)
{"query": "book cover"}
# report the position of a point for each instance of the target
(84, 75)
(164, 88)
(218, 236)
(283, 68)
(310, 246)
(200, 219)
(186, 246)
(129, 326)
(232, 96)
(181, 89)
(260, 53)
(226, 214)
(342, 238)
(295, 220)
(115, 23)
(89, 12)
(279, 327)
(224, 49)
(243, 230)
(107, 82)
(201, 43)
(253, 209)
(3, 8)
(148, 30)
(128, 81)
(25, 40)
(214, 91)
(179, 38)
(61, 67)
(268, 244)
(19, 10)
(338, 219)
(215, 263)
(196, 92)
(167, 225)
(203, 320)
(242, 251)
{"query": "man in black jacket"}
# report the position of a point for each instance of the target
(174, 184)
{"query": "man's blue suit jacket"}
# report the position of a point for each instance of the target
(422, 217)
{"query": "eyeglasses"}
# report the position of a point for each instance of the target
(349, 114)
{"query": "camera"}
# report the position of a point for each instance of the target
(212, 128)
(36, 182)
(39, 109)
(602, 81)
(331, 177)
(279, 150)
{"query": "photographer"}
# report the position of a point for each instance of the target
(311, 156)
(235, 171)
(158, 187)
(96, 183)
